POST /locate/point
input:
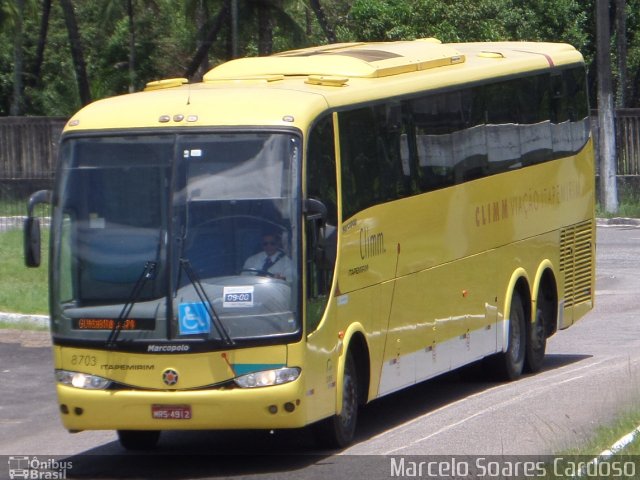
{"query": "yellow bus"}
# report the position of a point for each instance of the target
(300, 234)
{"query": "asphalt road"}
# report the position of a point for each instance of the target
(592, 372)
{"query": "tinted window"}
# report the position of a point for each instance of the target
(570, 128)
(321, 242)
(434, 141)
(374, 154)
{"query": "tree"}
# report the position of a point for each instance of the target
(621, 42)
(12, 16)
(205, 45)
(323, 21)
(34, 79)
(269, 15)
(113, 11)
(240, 19)
(132, 47)
(18, 59)
(141, 40)
(76, 51)
(608, 186)
(379, 20)
(116, 11)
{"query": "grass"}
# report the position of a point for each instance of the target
(606, 435)
(22, 325)
(570, 461)
(628, 204)
(22, 289)
(10, 207)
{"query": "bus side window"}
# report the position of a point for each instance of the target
(578, 112)
(438, 119)
(361, 167)
(321, 185)
(503, 138)
(560, 124)
(393, 152)
(534, 123)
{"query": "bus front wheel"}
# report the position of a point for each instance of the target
(138, 439)
(338, 431)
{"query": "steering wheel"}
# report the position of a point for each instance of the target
(257, 271)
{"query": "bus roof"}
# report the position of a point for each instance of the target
(292, 88)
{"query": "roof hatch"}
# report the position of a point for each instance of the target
(166, 83)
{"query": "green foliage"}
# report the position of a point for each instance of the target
(167, 36)
(382, 20)
(6, 76)
(8, 13)
(605, 436)
(470, 20)
(55, 93)
(628, 203)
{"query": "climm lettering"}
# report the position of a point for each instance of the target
(492, 212)
(371, 244)
(530, 202)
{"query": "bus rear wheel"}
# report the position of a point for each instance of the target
(536, 344)
(138, 439)
(338, 431)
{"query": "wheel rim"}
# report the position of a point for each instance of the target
(516, 337)
(538, 332)
(348, 401)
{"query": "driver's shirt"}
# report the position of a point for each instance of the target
(281, 264)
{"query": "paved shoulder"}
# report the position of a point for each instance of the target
(26, 338)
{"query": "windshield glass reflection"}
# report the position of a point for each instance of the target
(215, 216)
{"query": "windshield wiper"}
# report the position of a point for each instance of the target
(208, 305)
(147, 273)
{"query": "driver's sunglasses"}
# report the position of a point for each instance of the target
(268, 242)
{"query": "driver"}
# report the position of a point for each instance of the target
(271, 260)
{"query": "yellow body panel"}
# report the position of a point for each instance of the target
(446, 254)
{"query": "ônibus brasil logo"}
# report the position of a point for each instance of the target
(24, 467)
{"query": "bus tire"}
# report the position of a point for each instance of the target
(509, 365)
(536, 344)
(338, 431)
(138, 439)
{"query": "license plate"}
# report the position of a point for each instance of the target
(171, 412)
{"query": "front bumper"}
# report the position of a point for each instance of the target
(275, 407)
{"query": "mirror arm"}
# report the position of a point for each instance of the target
(39, 197)
(315, 210)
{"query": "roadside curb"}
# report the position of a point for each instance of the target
(606, 455)
(617, 222)
(17, 318)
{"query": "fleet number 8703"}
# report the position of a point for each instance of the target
(84, 360)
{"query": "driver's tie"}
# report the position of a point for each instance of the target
(267, 264)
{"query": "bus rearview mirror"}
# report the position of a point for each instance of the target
(32, 243)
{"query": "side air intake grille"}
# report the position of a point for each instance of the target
(576, 261)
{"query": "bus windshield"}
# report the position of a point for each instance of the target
(187, 237)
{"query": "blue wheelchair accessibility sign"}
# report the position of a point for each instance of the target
(193, 318)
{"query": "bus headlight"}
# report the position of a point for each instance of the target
(268, 378)
(82, 380)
